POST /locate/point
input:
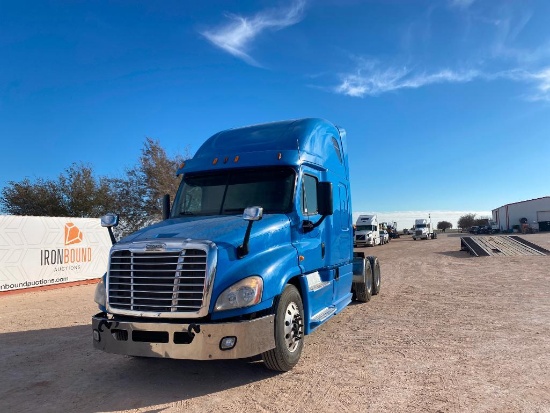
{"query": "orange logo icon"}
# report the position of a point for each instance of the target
(72, 234)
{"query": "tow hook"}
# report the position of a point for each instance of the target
(105, 323)
(193, 328)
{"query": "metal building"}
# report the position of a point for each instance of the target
(531, 214)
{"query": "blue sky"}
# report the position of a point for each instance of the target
(446, 103)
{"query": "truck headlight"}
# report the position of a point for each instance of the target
(245, 293)
(100, 294)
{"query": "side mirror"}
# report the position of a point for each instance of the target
(109, 221)
(250, 214)
(324, 198)
(166, 206)
(253, 213)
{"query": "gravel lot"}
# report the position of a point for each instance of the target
(448, 332)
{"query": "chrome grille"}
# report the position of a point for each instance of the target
(418, 232)
(160, 282)
(360, 237)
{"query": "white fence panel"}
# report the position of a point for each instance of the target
(39, 251)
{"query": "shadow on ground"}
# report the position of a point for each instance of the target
(58, 370)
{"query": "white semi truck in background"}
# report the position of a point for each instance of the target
(423, 229)
(366, 231)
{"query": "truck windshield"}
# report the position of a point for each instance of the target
(366, 228)
(229, 192)
(420, 226)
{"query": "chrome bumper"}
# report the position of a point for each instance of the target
(196, 341)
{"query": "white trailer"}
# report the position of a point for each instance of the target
(366, 231)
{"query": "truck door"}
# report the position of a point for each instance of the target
(311, 245)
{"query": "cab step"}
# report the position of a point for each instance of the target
(323, 315)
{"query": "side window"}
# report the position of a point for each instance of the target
(337, 148)
(309, 195)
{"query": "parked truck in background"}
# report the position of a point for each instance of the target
(423, 229)
(255, 253)
(367, 231)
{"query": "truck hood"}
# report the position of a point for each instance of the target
(219, 229)
(363, 233)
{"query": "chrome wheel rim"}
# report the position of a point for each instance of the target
(292, 326)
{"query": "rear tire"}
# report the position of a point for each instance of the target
(363, 291)
(376, 274)
(289, 332)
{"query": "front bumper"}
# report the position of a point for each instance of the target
(365, 243)
(196, 341)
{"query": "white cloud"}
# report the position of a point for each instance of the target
(543, 80)
(368, 80)
(540, 78)
(237, 36)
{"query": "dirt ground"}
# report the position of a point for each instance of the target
(448, 333)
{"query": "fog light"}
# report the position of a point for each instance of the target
(227, 343)
(96, 335)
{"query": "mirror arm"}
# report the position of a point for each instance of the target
(166, 207)
(113, 239)
(242, 250)
(309, 226)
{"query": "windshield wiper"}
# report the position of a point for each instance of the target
(233, 210)
(185, 213)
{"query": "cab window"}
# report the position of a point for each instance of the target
(309, 195)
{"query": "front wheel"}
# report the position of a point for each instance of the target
(289, 332)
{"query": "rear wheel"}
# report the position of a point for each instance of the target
(289, 332)
(376, 275)
(363, 290)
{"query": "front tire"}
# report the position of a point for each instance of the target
(289, 332)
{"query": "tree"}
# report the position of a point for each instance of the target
(443, 225)
(83, 194)
(158, 172)
(76, 193)
(481, 222)
(466, 221)
(136, 196)
(40, 198)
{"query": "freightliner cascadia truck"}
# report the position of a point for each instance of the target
(255, 252)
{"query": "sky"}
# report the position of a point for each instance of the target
(446, 103)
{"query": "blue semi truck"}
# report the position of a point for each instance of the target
(255, 252)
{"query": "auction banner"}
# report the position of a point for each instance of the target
(39, 251)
